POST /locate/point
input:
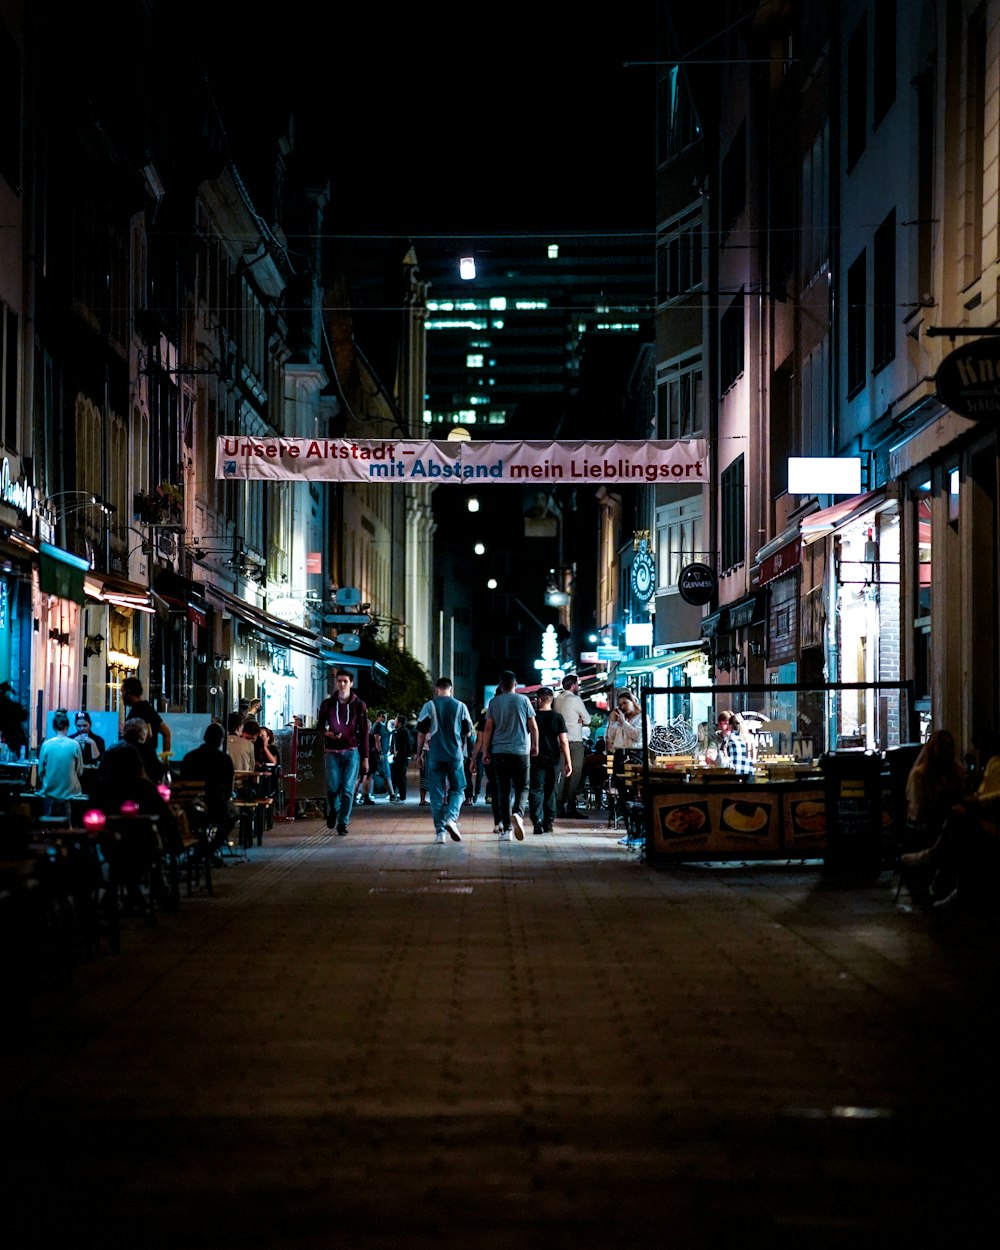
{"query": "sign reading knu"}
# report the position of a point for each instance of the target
(968, 380)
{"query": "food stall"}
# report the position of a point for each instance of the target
(841, 806)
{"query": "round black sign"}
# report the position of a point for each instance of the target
(968, 380)
(696, 583)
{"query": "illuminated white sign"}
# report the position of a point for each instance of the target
(824, 475)
(639, 634)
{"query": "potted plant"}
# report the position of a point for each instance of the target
(164, 505)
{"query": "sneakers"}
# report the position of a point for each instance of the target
(342, 830)
(504, 835)
(538, 830)
(439, 837)
(518, 823)
(498, 828)
(368, 801)
(451, 828)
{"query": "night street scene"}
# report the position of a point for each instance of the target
(499, 625)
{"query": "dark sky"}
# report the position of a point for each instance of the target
(431, 122)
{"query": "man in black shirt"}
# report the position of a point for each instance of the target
(211, 765)
(553, 750)
(154, 760)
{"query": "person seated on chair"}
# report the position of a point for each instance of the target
(967, 849)
(211, 765)
(595, 771)
(935, 784)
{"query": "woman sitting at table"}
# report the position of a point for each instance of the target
(121, 779)
(122, 788)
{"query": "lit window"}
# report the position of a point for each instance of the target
(474, 360)
(497, 323)
(498, 303)
(467, 268)
(553, 251)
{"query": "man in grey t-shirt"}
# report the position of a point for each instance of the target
(445, 722)
(510, 739)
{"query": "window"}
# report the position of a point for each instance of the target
(733, 191)
(678, 125)
(975, 129)
(474, 360)
(731, 344)
(884, 69)
(678, 540)
(815, 206)
(680, 399)
(679, 260)
(857, 92)
(857, 344)
(884, 312)
(733, 515)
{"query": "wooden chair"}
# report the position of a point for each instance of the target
(194, 837)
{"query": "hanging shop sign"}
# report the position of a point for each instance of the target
(435, 463)
(697, 583)
(968, 380)
(643, 573)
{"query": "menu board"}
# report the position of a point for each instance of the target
(738, 824)
(804, 820)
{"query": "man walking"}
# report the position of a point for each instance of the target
(574, 712)
(552, 761)
(402, 752)
(343, 721)
(510, 740)
(447, 723)
(379, 741)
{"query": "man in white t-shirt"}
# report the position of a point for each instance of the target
(574, 712)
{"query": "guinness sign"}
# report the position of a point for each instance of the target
(697, 584)
(968, 380)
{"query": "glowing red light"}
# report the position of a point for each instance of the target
(164, 793)
(129, 808)
(94, 819)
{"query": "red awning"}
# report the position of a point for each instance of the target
(827, 520)
(781, 561)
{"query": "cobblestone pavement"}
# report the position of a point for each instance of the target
(376, 1041)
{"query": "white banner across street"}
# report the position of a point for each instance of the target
(433, 463)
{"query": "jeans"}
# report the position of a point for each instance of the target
(510, 789)
(445, 789)
(342, 770)
(542, 797)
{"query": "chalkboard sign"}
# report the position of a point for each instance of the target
(853, 811)
(301, 754)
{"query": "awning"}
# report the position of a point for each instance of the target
(273, 626)
(61, 573)
(655, 663)
(827, 520)
(182, 595)
(779, 556)
(714, 623)
(746, 611)
(119, 592)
